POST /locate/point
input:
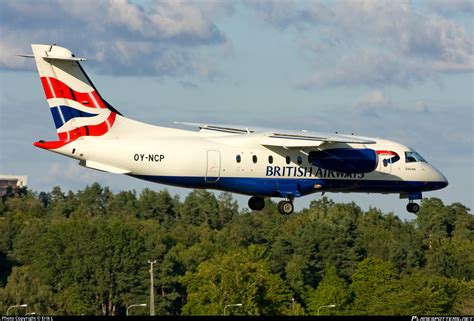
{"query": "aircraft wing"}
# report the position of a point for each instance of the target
(285, 138)
(310, 139)
(233, 129)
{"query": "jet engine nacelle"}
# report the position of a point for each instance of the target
(345, 160)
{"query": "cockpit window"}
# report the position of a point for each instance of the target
(412, 157)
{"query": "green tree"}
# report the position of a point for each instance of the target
(62, 205)
(372, 284)
(331, 290)
(426, 294)
(435, 221)
(451, 257)
(254, 227)
(87, 252)
(241, 277)
(92, 201)
(157, 205)
(390, 239)
(90, 265)
(464, 223)
(201, 206)
(123, 204)
(25, 286)
(25, 205)
(228, 208)
(5, 269)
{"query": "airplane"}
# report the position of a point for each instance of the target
(258, 162)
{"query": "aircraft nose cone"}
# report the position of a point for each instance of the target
(444, 182)
(441, 180)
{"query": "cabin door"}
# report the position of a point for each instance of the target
(213, 166)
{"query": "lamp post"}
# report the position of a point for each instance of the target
(232, 305)
(326, 306)
(16, 306)
(152, 288)
(135, 305)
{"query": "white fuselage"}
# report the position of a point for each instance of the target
(208, 159)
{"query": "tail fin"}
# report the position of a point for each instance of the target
(76, 106)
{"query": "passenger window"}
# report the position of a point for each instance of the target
(238, 158)
(288, 159)
(270, 159)
(299, 160)
(254, 159)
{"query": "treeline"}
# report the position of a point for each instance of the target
(87, 253)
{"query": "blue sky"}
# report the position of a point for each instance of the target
(394, 69)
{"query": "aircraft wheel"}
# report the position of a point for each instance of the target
(413, 208)
(256, 203)
(285, 207)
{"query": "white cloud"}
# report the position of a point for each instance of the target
(452, 7)
(164, 38)
(376, 102)
(373, 42)
(70, 173)
(375, 98)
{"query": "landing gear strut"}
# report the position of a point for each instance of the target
(413, 207)
(286, 207)
(256, 203)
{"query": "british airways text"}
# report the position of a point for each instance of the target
(297, 171)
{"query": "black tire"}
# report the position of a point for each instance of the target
(413, 208)
(285, 207)
(256, 203)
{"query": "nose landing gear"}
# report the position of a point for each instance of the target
(413, 207)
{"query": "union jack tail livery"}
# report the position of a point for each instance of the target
(76, 105)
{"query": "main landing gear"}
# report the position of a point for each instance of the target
(256, 203)
(413, 207)
(285, 207)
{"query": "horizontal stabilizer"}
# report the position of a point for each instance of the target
(103, 167)
(64, 58)
(53, 57)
